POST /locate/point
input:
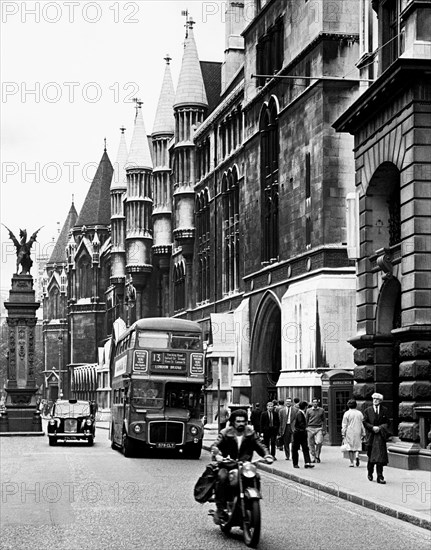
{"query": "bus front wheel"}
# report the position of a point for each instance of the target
(193, 450)
(127, 446)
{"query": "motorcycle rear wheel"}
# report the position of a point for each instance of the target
(251, 523)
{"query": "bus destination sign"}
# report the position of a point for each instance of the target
(169, 363)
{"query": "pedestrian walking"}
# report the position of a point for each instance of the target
(269, 425)
(224, 416)
(255, 418)
(316, 429)
(287, 415)
(300, 437)
(376, 423)
(353, 431)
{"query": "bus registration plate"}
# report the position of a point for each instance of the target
(164, 445)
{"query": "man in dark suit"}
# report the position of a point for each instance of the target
(376, 423)
(287, 416)
(269, 426)
(255, 418)
(300, 437)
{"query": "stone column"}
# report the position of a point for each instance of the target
(21, 414)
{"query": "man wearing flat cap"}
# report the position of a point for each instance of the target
(376, 423)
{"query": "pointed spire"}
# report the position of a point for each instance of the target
(164, 120)
(190, 89)
(96, 209)
(139, 155)
(119, 180)
(58, 255)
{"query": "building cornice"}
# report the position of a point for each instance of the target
(396, 78)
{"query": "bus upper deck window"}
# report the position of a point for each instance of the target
(185, 341)
(153, 339)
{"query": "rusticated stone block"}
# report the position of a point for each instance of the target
(383, 373)
(364, 356)
(415, 389)
(415, 369)
(363, 373)
(408, 431)
(363, 392)
(406, 410)
(416, 350)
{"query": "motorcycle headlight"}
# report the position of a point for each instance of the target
(249, 469)
(137, 429)
(194, 430)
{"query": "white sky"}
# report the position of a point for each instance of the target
(111, 51)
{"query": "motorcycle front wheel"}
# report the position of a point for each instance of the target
(251, 523)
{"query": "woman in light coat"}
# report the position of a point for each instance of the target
(353, 431)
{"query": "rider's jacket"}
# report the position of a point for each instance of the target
(227, 444)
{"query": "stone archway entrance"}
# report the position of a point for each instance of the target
(388, 318)
(266, 352)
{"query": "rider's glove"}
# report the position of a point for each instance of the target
(219, 457)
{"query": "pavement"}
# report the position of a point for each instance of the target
(406, 495)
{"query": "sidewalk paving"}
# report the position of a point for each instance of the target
(406, 495)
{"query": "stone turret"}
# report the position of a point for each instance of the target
(118, 219)
(138, 211)
(190, 107)
(163, 132)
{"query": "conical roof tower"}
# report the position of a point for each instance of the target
(190, 107)
(118, 219)
(138, 210)
(139, 154)
(163, 132)
(164, 119)
(190, 89)
(59, 255)
(96, 209)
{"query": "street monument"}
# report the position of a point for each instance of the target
(21, 415)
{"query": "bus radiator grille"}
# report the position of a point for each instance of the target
(166, 432)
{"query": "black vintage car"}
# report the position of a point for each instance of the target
(71, 420)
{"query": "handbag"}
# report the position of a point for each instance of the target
(344, 446)
(205, 485)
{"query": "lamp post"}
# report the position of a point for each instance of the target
(60, 349)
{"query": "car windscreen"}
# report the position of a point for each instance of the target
(71, 410)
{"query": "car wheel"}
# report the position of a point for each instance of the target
(90, 441)
(113, 444)
(52, 441)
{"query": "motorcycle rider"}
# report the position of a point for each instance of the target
(237, 441)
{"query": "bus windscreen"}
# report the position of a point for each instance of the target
(147, 393)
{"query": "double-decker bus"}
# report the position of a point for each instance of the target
(157, 373)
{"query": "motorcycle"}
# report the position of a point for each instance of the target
(243, 508)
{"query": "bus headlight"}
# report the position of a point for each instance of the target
(194, 430)
(137, 429)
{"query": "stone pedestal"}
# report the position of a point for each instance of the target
(21, 416)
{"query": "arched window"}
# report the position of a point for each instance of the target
(179, 287)
(84, 284)
(54, 303)
(202, 210)
(230, 193)
(269, 142)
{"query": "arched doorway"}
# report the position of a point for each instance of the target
(388, 318)
(266, 351)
